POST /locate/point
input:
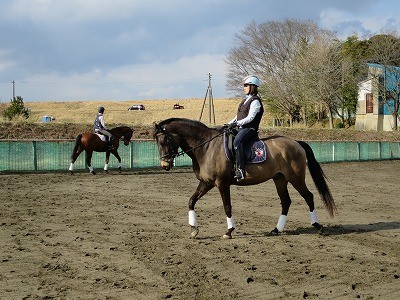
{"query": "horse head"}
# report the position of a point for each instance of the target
(127, 134)
(124, 131)
(167, 146)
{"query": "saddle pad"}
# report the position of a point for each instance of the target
(101, 136)
(256, 153)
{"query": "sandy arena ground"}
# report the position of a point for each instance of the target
(126, 237)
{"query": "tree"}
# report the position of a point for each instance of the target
(16, 109)
(270, 50)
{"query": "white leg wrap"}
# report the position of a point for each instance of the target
(91, 169)
(105, 167)
(281, 223)
(71, 167)
(313, 216)
(192, 218)
(230, 222)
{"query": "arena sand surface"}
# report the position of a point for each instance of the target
(126, 237)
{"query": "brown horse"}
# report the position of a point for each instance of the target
(286, 162)
(90, 142)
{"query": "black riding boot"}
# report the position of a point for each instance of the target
(110, 143)
(240, 172)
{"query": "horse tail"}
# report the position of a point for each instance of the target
(78, 143)
(318, 177)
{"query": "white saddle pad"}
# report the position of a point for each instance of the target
(102, 137)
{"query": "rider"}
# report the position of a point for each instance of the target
(247, 120)
(100, 127)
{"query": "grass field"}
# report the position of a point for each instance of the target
(117, 111)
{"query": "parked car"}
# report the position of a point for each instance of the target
(177, 106)
(137, 107)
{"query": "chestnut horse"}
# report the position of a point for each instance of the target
(286, 162)
(90, 142)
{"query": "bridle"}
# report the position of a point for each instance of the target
(174, 153)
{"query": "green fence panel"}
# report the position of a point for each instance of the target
(323, 151)
(346, 151)
(140, 154)
(370, 151)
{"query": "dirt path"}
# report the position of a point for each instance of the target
(126, 237)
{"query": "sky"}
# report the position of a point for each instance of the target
(118, 50)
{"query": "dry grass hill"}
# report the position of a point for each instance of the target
(74, 117)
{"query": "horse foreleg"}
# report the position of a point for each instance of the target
(201, 190)
(226, 200)
(281, 187)
(106, 163)
(119, 160)
(89, 161)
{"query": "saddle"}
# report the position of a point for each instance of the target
(254, 151)
(103, 137)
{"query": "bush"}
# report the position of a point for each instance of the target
(16, 109)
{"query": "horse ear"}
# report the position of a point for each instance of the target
(157, 129)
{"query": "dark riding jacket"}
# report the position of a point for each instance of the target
(97, 124)
(244, 109)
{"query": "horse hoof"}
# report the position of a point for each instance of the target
(119, 170)
(228, 234)
(105, 171)
(194, 233)
(274, 232)
(93, 173)
(319, 227)
(71, 173)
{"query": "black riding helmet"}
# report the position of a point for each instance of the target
(101, 109)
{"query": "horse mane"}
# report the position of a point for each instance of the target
(192, 123)
(119, 129)
(185, 126)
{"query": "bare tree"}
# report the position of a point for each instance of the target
(269, 50)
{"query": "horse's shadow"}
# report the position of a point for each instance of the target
(332, 230)
(347, 229)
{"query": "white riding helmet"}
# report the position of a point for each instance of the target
(251, 79)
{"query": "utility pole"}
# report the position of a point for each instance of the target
(209, 96)
(13, 82)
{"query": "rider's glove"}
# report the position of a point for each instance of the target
(232, 125)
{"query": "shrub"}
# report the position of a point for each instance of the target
(16, 109)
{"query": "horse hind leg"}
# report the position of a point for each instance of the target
(74, 157)
(283, 193)
(301, 187)
(89, 162)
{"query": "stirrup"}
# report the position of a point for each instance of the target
(239, 174)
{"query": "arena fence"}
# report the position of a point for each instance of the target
(142, 154)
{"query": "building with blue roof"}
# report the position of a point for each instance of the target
(377, 104)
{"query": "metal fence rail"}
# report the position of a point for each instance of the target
(142, 154)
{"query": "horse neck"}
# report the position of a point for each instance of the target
(118, 131)
(194, 138)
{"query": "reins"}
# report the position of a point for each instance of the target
(182, 152)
